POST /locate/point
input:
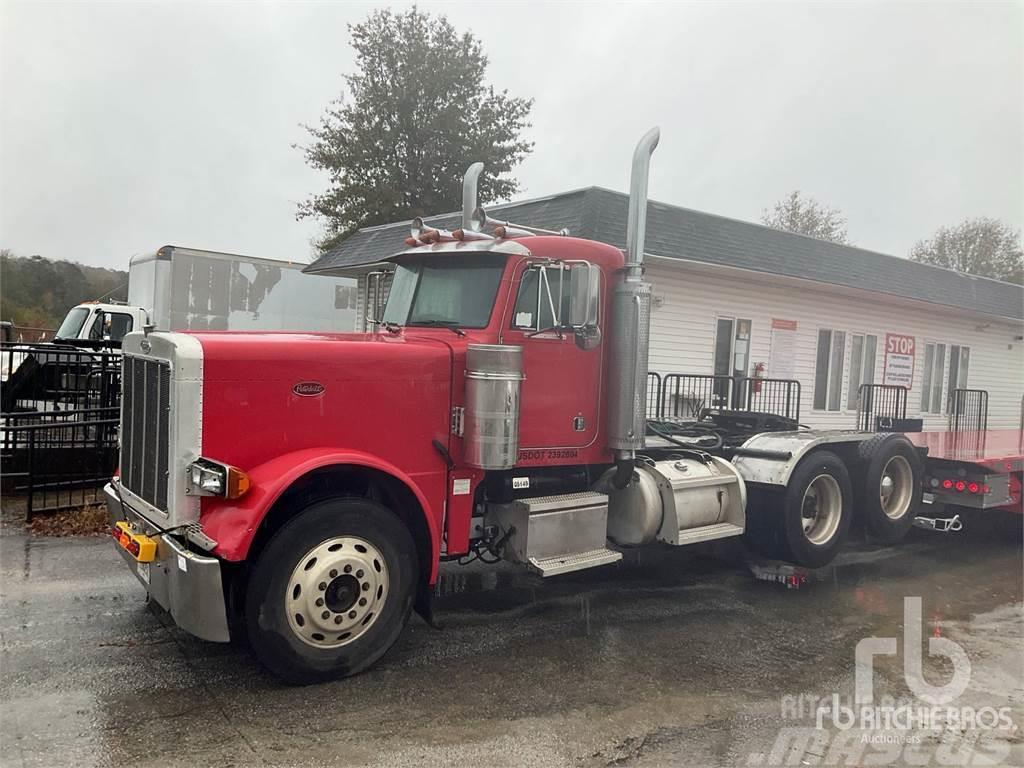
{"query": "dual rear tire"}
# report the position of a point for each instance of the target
(807, 522)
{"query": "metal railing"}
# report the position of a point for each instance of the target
(686, 396)
(45, 377)
(780, 397)
(968, 410)
(60, 459)
(874, 401)
(653, 395)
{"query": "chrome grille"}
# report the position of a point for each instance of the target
(145, 432)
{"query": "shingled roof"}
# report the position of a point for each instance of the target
(600, 214)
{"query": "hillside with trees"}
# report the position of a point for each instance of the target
(37, 292)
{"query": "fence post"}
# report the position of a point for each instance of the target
(30, 473)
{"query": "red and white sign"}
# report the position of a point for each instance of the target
(781, 350)
(899, 360)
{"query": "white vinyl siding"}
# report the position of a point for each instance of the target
(688, 299)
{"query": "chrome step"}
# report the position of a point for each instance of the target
(707, 533)
(556, 565)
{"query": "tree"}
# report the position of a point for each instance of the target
(806, 216)
(418, 114)
(982, 246)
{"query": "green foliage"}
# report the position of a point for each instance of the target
(807, 216)
(418, 115)
(983, 246)
(37, 292)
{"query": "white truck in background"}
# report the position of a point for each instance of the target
(184, 289)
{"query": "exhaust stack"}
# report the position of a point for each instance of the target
(631, 318)
(469, 182)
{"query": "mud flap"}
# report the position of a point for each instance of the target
(424, 605)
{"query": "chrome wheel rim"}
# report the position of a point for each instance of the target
(821, 509)
(336, 592)
(896, 488)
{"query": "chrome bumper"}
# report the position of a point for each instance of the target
(186, 585)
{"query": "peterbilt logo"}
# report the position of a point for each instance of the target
(308, 388)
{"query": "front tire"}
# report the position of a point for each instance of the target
(332, 591)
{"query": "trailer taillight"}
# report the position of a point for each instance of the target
(947, 483)
(973, 487)
(960, 485)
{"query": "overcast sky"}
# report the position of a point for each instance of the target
(124, 127)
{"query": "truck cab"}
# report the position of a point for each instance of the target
(99, 323)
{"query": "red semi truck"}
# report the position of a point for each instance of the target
(303, 488)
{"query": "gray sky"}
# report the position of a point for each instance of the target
(124, 127)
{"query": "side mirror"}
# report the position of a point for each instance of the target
(584, 295)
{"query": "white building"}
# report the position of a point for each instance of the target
(741, 299)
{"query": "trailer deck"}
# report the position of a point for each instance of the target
(975, 468)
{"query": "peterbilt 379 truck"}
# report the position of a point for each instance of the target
(303, 488)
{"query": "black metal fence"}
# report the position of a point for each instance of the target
(874, 401)
(58, 423)
(968, 410)
(776, 396)
(686, 396)
(654, 395)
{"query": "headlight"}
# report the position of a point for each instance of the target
(211, 478)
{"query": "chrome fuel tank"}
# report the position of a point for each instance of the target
(494, 376)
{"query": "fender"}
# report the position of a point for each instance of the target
(233, 524)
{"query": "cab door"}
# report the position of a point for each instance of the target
(561, 395)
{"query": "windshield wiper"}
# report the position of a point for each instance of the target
(451, 325)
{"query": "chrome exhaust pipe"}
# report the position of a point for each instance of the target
(469, 184)
(636, 223)
(631, 320)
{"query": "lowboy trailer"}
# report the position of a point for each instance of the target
(303, 488)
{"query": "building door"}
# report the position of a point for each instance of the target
(732, 358)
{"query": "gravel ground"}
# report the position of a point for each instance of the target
(674, 658)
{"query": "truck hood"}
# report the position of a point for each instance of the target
(265, 394)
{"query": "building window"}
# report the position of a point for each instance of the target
(931, 383)
(959, 362)
(828, 372)
(862, 366)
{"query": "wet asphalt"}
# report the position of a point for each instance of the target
(674, 658)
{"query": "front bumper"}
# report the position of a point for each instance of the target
(185, 584)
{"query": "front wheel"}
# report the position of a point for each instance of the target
(331, 591)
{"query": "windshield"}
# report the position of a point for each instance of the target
(445, 290)
(72, 324)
